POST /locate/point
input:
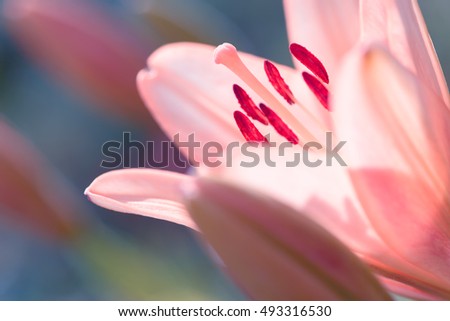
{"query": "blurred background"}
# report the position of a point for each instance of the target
(67, 85)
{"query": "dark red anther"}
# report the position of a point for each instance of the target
(317, 88)
(310, 61)
(248, 105)
(279, 125)
(248, 130)
(278, 82)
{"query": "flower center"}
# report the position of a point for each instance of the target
(280, 117)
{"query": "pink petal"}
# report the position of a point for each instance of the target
(327, 28)
(274, 252)
(31, 193)
(397, 133)
(148, 192)
(410, 218)
(405, 116)
(400, 25)
(324, 193)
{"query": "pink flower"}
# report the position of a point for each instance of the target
(85, 47)
(378, 86)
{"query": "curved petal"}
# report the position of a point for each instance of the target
(328, 28)
(148, 192)
(398, 132)
(272, 247)
(400, 25)
(324, 193)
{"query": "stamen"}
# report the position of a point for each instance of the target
(310, 61)
(248, 130)
(248, 105)
(317, 88)
(278, 82)
(279, 125)
(227, 55)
